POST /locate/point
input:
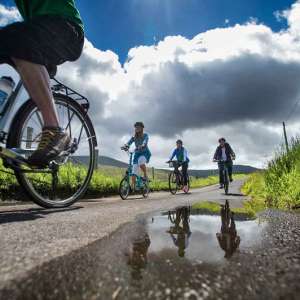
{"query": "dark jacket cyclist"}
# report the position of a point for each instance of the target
(224, 153)
(183, 161)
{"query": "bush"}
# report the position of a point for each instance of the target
(278, 185)
(105, 182)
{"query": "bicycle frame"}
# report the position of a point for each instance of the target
(15, 154)
(225, 170)
(129, 174)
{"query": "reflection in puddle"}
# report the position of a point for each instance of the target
(194, 234)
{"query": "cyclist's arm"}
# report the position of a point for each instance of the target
(232, 153)
(145, 140)
(172, 156)
(130, 141)
(215, 155)
(184, 154)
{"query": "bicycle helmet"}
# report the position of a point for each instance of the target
(139, 124)
(179, 141)
(222, 139)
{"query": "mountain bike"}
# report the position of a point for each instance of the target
(225, 176)
(125, 188)
(67, 177)
(176, 178)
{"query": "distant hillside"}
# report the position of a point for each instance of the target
(237, 169)
(103, 161)
(108, 161)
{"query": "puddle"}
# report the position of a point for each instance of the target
(197, 234)
(164, 257)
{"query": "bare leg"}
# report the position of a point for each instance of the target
(144, 169)
(37, 83)
(133, 182)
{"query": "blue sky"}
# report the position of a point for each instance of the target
(119, 25)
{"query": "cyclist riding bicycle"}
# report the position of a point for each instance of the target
(143, 154)
(224, 153)
(183, 161)
(52, 33)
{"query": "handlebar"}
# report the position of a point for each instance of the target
(127, 149)
(220, 160)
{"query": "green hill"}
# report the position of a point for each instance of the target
(111, 162)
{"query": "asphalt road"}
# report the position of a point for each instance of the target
(78, 253)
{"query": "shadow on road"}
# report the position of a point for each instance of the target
(31, 214)
(237, 195)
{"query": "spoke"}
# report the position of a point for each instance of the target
(40, 119)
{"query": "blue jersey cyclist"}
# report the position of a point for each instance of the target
(143, 154)
(183, 161)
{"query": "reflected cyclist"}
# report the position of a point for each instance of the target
(228, 239)
(183, 232)
(138, 260)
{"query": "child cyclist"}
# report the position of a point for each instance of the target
(143, 154)
(183, 161)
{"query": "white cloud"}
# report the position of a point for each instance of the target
(239, 82)
(9, 15)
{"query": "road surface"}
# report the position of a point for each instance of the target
(80, 253)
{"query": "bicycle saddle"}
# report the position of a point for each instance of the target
(52, 69)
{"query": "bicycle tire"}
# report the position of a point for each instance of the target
(124, 181)
(42, 194)
(172, 182)
(188, 184)
(146, 189)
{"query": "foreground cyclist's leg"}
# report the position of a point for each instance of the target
(37, 83)
(53, 141)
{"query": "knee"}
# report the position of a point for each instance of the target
(142, 160)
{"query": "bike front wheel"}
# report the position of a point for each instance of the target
(173, 183)
(73, 171)
(124, 188)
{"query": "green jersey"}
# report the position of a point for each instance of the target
(180, 156)
(64, 8)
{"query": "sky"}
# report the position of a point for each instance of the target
(195, 69)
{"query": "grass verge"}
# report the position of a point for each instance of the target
(278, 185)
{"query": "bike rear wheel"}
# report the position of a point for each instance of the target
(173, 182)
(146, 189)
(124, 188)
(74, 171)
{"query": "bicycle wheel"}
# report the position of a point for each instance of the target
(74, 171)
(124, 188)
(188, 184)
(173, 183)
(146, 189)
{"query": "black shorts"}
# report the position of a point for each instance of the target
(48, 40)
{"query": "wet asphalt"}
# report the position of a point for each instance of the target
(97, 249)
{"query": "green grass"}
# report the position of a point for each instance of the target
(278, 185)
(214, 207)
(105, 181)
